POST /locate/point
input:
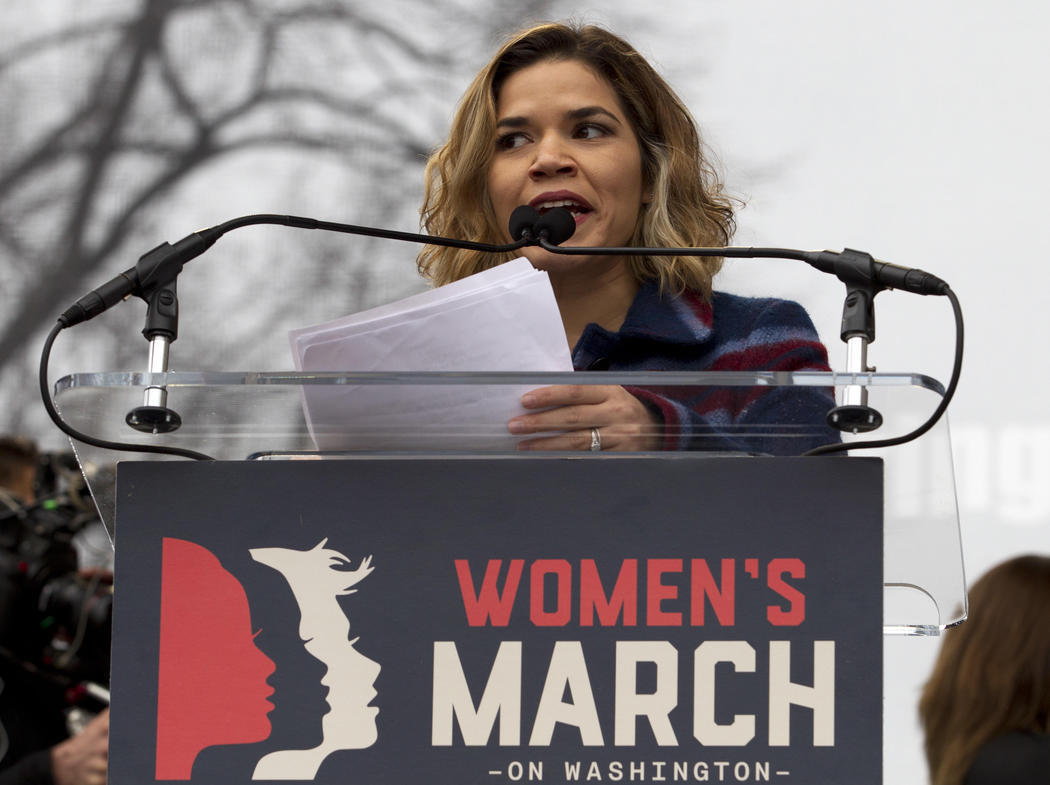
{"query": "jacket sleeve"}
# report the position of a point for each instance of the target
(768, 420)
(32, 769)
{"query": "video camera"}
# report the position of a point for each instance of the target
(53, 620)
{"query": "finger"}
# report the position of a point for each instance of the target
(96, 573)
(570, 440)
(100, 721)
(564, 395)
(563, 418)
(96, 730)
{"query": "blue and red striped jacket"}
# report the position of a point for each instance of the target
(730, 333)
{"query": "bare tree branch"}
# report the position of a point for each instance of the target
(145, 120)
(33, 47)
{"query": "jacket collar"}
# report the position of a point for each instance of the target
(679, 319)
(683, 320)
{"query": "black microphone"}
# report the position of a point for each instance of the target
(859, 267)
(555, 226)
(523, 222)
(163, 263)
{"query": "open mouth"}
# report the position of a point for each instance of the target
(577, 207)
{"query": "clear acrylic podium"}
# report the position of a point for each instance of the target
(236, 416)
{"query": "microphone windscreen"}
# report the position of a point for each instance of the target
(557, 225)
(522, 219)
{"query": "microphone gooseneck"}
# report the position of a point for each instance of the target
(162, 265)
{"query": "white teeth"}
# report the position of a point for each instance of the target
(569, 203)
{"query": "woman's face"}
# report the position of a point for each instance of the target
(562, 139)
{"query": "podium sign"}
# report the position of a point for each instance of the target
(490, 620)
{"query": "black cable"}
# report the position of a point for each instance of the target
(949, 393)
(56, 418)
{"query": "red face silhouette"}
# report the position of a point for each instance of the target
(211, 685)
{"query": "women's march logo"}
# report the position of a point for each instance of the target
(212, 685)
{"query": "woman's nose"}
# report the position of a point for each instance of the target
(552, 158)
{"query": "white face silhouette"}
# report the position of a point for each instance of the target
(318, 578)
(352, 680)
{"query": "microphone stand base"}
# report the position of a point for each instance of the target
(154, 419)
(854, 419)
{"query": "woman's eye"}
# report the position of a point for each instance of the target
(591, 131)
(511, 141)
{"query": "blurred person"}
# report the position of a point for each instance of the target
(19, 459)
(986, 707)
(575, 117)
(35, 745)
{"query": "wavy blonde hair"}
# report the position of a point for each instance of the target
(992, 675)
(689, 207)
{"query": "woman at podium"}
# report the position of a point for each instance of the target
(574, 117)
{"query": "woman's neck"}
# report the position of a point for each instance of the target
(585, 297)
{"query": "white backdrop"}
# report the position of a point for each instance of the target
(913, 131)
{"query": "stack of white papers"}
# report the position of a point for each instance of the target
(503, 319)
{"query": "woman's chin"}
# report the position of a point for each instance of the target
(554, 263)
(591, 267)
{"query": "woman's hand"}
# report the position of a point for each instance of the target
(574, 410)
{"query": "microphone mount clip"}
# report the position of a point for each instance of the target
(153, 279)
(856, 269)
